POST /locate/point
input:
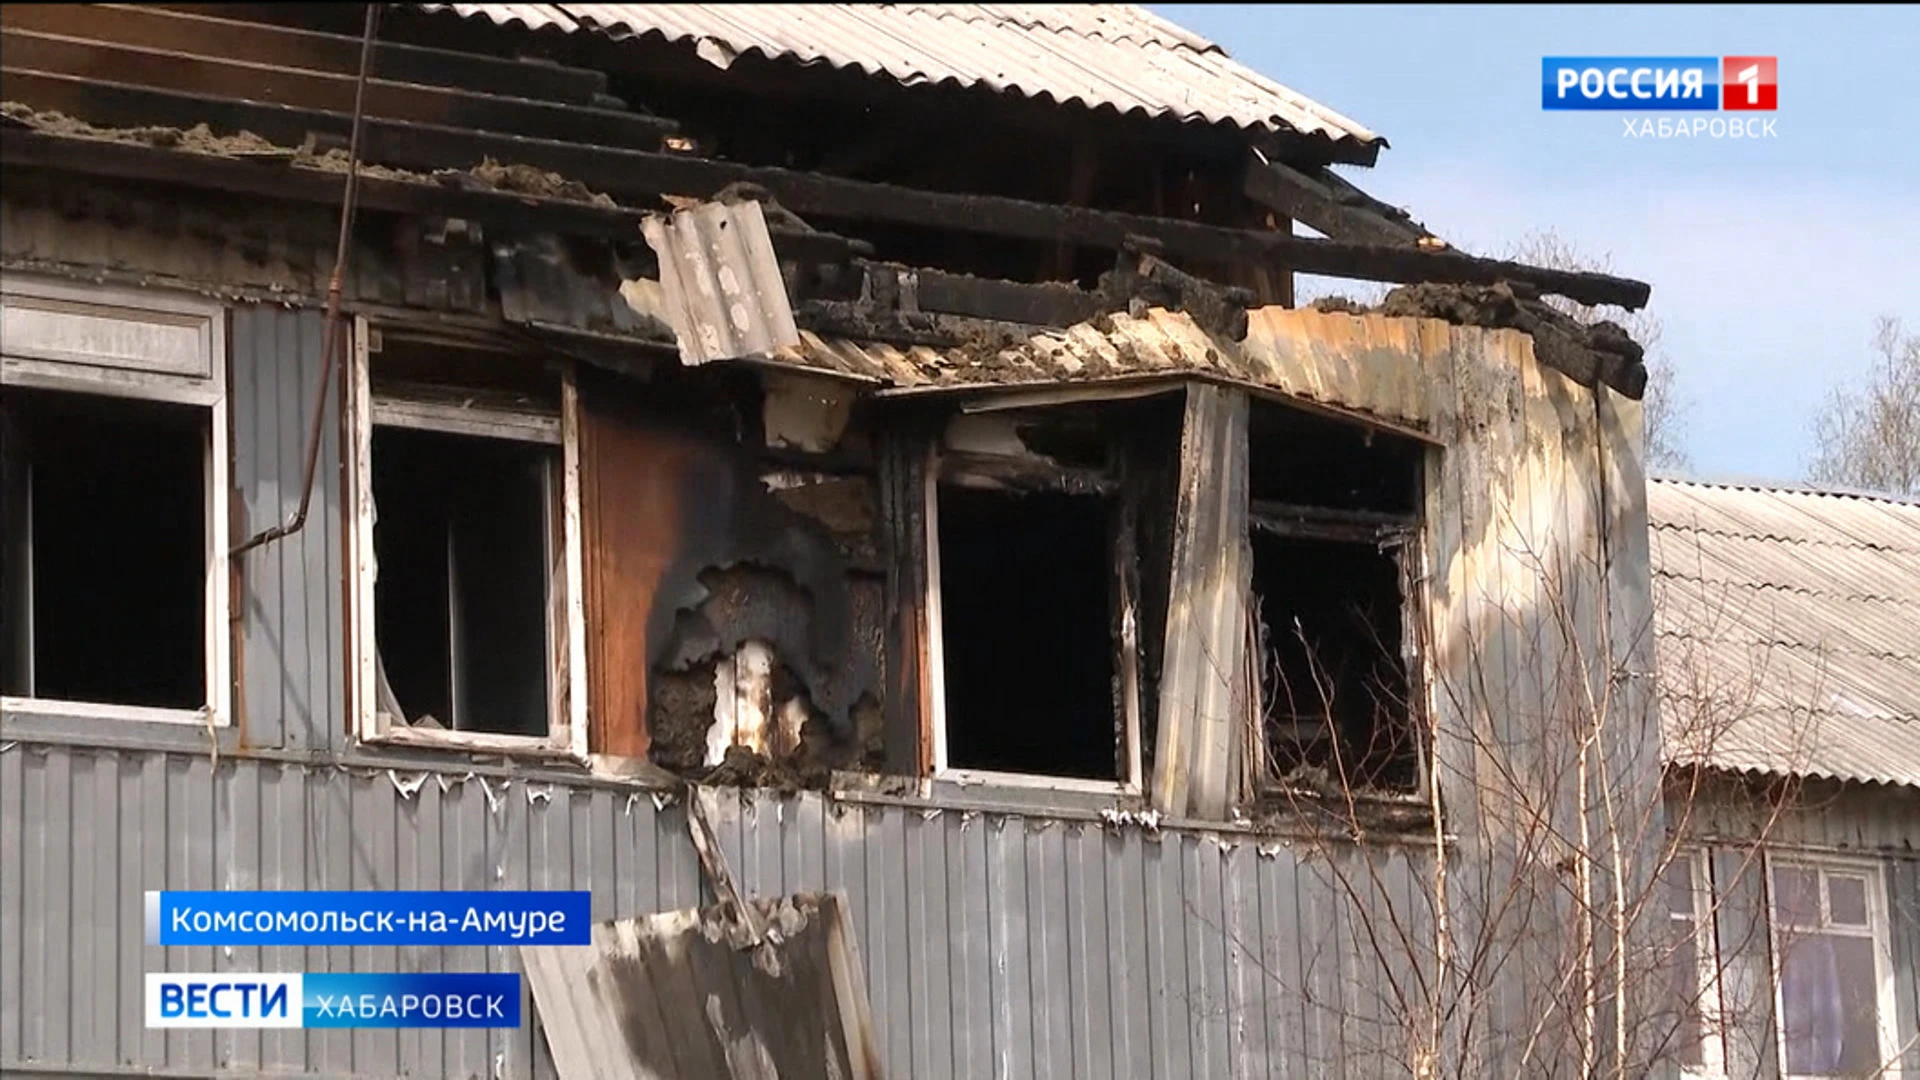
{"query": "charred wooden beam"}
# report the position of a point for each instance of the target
(132, 161)
(1591, 354)
(1328, 523)
(494, 208)
(1140, 275)
(1031, 473)
(1322, 200)
(264, 43)
(899, 300)
(629, 174)
(400, 144)
(919, 289)
(873, 322)
(810, 193)
(169, 70)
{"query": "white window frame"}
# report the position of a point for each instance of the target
(1880, 929)
(1706, 952)
(1132, 785)
(567, 733)
(40, 320)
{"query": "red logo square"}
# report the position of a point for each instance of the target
(1750, 83)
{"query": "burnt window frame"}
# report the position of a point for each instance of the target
(945, 465)
(567, 726)
(197, 378)
(1404, 536)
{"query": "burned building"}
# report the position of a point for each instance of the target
(444, 443)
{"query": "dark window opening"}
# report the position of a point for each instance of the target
(422, 370)
(1334, 509)
(105, 553)
(1305, 459)
(464, 553)
(1026, 633)
(1335, 694)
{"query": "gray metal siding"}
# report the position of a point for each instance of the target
(1862, 819)
(993, 945)
(1903, 917)
(291, 641)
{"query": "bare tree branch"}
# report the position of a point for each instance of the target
(1868, 436)
(1665, 408)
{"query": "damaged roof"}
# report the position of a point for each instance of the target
(1115, 56)
(1791, 614)
(1338, 360)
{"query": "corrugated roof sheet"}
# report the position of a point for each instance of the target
(720, 281)
(1793, 618)
(1115, 56)
(1371, 364)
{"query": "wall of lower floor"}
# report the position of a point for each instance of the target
(1747, 826)
(994, 944)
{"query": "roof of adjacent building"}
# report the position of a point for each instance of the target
(1789, 629)
(1115, 56)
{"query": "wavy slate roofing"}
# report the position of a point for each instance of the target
(1796, 614)
(1115, 56)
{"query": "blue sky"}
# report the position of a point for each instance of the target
(1769, 259)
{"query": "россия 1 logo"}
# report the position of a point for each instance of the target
(1660, 83)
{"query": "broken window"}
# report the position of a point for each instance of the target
(463, 460)
(1333, 516)
(1036, 669)
(1832, 963)
(113, 590)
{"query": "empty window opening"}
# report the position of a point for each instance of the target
(1333, 513)
(1026, 633)
(1303, 458)
(1334, 685)
(412, 369)
(465, 542)
(105, 575)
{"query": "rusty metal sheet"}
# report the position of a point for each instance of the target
(673, 995)
(721, 283)
(1377, 366)
(1115, 56)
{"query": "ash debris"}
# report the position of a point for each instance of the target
(525, 180)
(489, 175)
(198, 139)
(1591, 353)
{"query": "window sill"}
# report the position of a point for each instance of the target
(1037, 796)
(130, 727)
(544, 748)
(1366, 815)
(86, 710)
(985, 780)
